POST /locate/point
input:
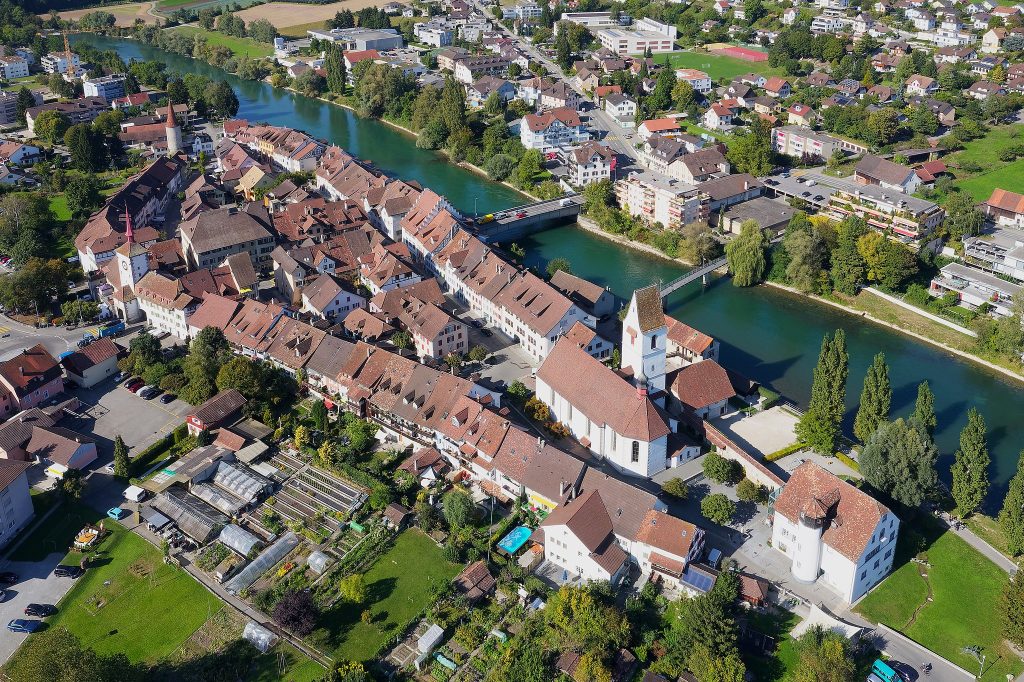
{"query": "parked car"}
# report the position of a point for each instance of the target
(486, 332)
(117, 513)
(148, 392)
(65, 571)
(22, 625)
(120, 376)
(167, 398)
(40, 610)
(8, 578)
(136, 385)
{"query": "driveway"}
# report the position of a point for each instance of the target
(37, 585)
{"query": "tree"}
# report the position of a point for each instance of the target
(454, 361)
(71, 484)
(875, 399)
(121, 460)
(676, 487)
(500, 166)
(85, 146)
(721, 470)
(819, 425)
(401, 339)
(751, 152)
(220, 99)
(458, 507)
(26, 100)
(353, 588)
(746, 255)
(83, 194)
(207, 353)
(318, 413)
(1011, 516)
(847, 265)
(970, 466)
(807, 253)
(1011, 608)
(580, 618)
(718, 508)
(883, 126)
(51, 125)
(337, 76)
(698, 243)
(297, 611)
(748, 491)
(924, 409)
(262, 31)
(478, 353)
(556, 264)
(529, 168)
(899, 459)
(301, 436)
(682, 95)
(824, 656)
(963, 219)
(242, 374)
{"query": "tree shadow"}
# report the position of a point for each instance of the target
(745, 512)
(379, 590)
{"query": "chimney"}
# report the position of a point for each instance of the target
(561, 488)
(746, 185)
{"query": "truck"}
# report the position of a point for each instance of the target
(109, 329)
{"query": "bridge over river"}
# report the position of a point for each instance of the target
(521, 221)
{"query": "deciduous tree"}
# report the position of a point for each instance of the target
(457, 507)
(718, 508)
(297, 611)
(746, 255)
(899, 460)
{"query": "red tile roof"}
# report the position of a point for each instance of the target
(32, 368)
(851, 515)
(702, 384)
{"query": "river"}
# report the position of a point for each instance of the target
(769, 335)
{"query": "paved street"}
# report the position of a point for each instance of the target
(37, 585)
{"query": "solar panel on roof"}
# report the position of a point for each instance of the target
(699, 581)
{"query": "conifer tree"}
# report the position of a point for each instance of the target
(1011, 518)
(875, 399)
(819, 426)
(924, 409)
(970, 466)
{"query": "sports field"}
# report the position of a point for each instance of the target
(719, 67)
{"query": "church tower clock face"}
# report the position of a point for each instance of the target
(124, 265)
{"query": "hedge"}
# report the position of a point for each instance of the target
(769, 396)
(152, 454)
(788, 450)
(848, 461)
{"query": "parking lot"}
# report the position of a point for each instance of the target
(508, 361)
(36, 584)
(110, 410)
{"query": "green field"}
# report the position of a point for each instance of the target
(719, 67)
(965, 589)
(239, 46)
(399, 586)
(299, 30)
(993, 173)
(131, 602)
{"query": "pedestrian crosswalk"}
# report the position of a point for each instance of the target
(4, 330)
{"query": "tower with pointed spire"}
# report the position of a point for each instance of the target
(131, 263)
(173, 131)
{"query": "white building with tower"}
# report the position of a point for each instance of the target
(833, 533)
(619, 416)
(124, 271)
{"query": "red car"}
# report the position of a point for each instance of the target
(521, 214)
(136, 385)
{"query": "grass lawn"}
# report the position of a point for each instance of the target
(719, 67)
(1009, 176)
(993, 172)
(59, 206)
(965, 589)
(399, 586)
(239, 46)
(56, 533)
(987, 528)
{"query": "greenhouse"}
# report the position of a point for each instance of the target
(267, 559)
(238, 539)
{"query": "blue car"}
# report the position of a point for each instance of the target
(117, 513)
(22, 625)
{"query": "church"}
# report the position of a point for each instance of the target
(619, 415)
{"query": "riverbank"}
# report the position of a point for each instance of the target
(592, 227)
(903, 330)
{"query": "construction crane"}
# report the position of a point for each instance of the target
(67, 57)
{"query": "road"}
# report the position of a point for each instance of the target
(15, 336)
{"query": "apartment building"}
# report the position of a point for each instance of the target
(108, 87)
(661, 199)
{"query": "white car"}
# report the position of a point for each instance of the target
(147, 392)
